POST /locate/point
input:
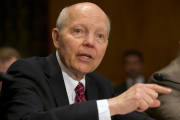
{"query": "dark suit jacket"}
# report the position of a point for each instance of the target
(38, 93)
(170, 104)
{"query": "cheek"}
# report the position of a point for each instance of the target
(100, 55)
(67, 46)
(70, 51)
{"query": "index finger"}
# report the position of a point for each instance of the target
(159, 89)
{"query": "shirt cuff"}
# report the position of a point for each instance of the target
(103, 110)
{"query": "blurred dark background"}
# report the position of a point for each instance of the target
(150, 26)
(23, 25)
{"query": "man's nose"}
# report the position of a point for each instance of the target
(89, 41)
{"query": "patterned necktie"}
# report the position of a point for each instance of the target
(80, 95)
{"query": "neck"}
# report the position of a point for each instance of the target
(77, 75)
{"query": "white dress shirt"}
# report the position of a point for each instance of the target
(70, 85)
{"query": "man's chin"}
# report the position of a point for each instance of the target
(85, 70)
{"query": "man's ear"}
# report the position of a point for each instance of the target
(55, 37)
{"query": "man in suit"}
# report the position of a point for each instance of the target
(170, 77)
(133, 66)
(63, 85)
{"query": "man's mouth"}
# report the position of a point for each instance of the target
(85, 57)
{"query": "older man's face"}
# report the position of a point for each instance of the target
(83, 40)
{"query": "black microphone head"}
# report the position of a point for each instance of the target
(159, 77)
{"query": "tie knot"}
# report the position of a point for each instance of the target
(80, 96)
(79, 88)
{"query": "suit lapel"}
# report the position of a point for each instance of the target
(91, 91)
(56, 81)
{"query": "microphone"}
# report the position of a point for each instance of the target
(5, 77)
(160, 77)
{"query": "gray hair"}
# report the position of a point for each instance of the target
(62, 18)
(64, 15)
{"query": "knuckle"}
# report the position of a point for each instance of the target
(156, 95)
(137, 96)
(151, 102)
(155, 86)
(144, 107)
(140, 86)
